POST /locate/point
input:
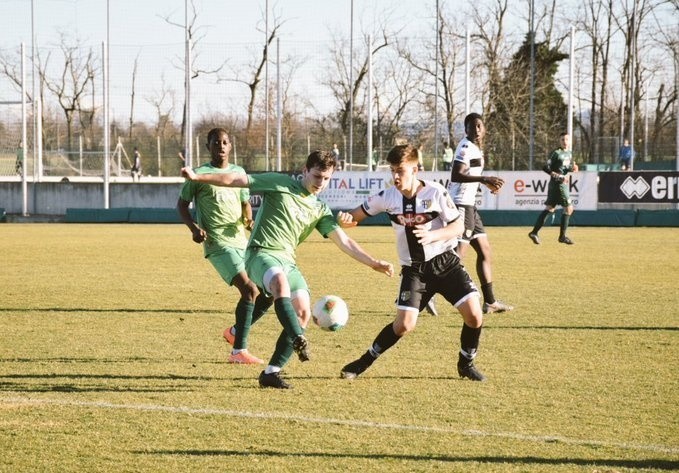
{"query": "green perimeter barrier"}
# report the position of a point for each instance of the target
(97, 215)
(123, 215)
(491, 218)
(657, 218)
(3, 215)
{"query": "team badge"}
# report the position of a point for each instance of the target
(405, 296)
(426, 204)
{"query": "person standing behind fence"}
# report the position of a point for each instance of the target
(136, 166)
(19, 164)
(336, 154)
(626, 156)
(447, 157)
(559, 165)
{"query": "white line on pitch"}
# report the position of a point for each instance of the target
(349, 423)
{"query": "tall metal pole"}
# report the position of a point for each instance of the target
(436, 93)
(188, 135)
(34, 102)
(531, 131)
(24, 135)
(633, 56)
(369, 118)
(571, 85)
(266, 86)
(351, 85)
(107, 137)
(467, 71)
(279, 110)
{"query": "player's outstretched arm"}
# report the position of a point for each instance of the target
(353, 249)
(228, 179)
(351, 218)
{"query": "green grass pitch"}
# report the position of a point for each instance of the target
(111, 359)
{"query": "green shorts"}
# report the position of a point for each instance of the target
(558, 194)
(262, 265)
(228, 263)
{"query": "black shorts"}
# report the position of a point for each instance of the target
(473, 226)
(443, 274)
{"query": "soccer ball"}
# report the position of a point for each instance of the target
(330, 313)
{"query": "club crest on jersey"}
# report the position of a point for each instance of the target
(426, 203)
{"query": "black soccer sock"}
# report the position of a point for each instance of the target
(542, 218)
(565, 219)
(243, 324)
(487, 290)
(287, 317)
(469, 341)
(262, 304)
(386, 339)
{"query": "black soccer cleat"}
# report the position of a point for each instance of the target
(534, 238)
(301, 346)
(566, 240)
(466, 369)
(272, 380)
(355, 368)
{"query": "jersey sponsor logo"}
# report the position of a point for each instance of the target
(405, 296)
(412, 219)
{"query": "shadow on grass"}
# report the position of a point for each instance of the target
(585, 327)
(131, 359)
(607, 463)
(177, 383)
(112, 309)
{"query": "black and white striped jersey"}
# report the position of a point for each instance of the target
(464, 193)
(431, 206)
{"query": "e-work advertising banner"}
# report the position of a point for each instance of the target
(522, 190)
(656, 187)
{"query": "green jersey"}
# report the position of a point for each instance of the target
(219, 210)
(560, 161)
(288, 214)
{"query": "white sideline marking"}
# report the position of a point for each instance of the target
(350, 423)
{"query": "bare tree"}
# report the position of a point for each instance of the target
(74, 81)
(195, 34)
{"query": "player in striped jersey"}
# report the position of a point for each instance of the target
(427, 224)
(466, 178)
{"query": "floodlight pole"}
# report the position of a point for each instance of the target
(24, 135)
(531, 112)
(279, 110)
(369, 131)
(571, 84)
(107, 134)
(351, 85)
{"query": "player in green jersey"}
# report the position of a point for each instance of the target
(558, 166)
(222, 216)
(289, 213)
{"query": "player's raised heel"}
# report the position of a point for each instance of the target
(566, 240)
(534, 238)
(229, 336)
(496, 307)
(273, 380)
(355, 368)
(245, 358)
(301, 346)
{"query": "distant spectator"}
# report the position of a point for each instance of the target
(336, 153)
(19, 164)
(136, 166)
(447, 157)
(626, 155)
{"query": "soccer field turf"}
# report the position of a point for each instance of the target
(111, 359)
